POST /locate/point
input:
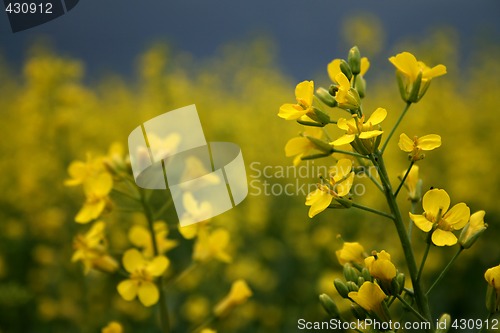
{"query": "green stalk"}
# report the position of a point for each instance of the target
(371, 210)
(396, 126)
(164, 318)
(424, 258)
(445, 270)
(420, 297)
(409, 307)
(404, 178)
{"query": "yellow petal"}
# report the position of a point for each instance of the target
(189, 231)
(90, 211)
(158, 265)
(77, 171)
(377, 116)
(343, 140)
(344, 187)
(429, 142)
(477, 220)
(343, 81)
(342, 168)
(370, 134)
(434, 200)
(365, 65)
(133, 260)
(148, 293)
(351, 252)
(299, 145)
(434, 72)
(319, 201)
(304, 92)
(442, 238)
(139, 236)
(342, 123)
(406, 63)
(421, 222)
(369, 296)
(333, 69)
(458, 216)
(405, 143)
(291, 111)
(99, 185)
(127, 289)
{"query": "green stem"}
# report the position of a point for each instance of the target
(349, 153)
(371, 210)
(210, 320)
(164, 318)
(396, 126)
(424, 258)
(404, 178)
(445, 270)
(420, 297)
(409, 307)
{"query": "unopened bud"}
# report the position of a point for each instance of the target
(344, 67)
(444, 323)
(329, 305)
(341, 288)
(361, 86)
(325, 96)
(350, 273)
(352, 286)
(354, 59)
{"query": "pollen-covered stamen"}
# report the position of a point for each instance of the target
(141, 274)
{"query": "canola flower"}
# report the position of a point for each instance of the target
(140, 237)
(370, 297)
(142, 274)
(414, 77)
(304, 93)
(238, 294)
(418, 144)
(439, 220)
(303, 145)
(351, 252)
(113, 327)
(212, 245)
(381, 267)
(96, 192)
(472, 230)
(338, 186)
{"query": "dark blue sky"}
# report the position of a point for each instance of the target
(109, 34)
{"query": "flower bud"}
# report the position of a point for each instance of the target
(341, 288)
(354, 60)
(344, 67)
(322, 117)
(475, 228)
(329, 305)
(352, 286)
(361, 86)
(444, 323)
(491, 299)
(320, 144)
(361, 280)
(350, 273)
(366, 274)
(325, 96)
(415, 91)
(401, 282)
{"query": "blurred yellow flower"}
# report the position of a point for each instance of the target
(381, 267)
(415, 146)
(408, 70)
(492, 276)
(113, 327)
(301, 146)
(91, 250)
(412, 182)
(96, 191)
(473, 229)
(438, 218)
(340, 183)
(304, 93)
(140, 236)
(351, 252)
(208, 330)
(370, 297)
(81, 171)
(194, 211)
(212, 246)
(347, 97)
(142, 274)
(357, 128)
(239, 293)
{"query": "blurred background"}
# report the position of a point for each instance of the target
(82, 82)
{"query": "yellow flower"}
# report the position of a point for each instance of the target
(91, 250)
(304, 93)
(239, 293)
(96, 191)
(357, 128)
(113, 327)
(211, 246)
(409, 70)
(415, 146)
(438, 218)
(142, 274)
(473, 229)
(333, 68)
(492, 276)
(381, 267)
(208, 330)
(340, 183)
(301, 146)
(140, 236)
(346, 97)
(412, 183)
(81, 171)
(370, 298)
(195, 211)
(351, 252)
